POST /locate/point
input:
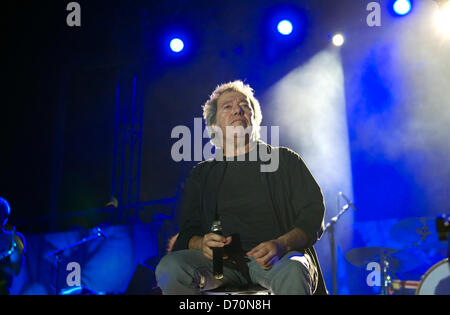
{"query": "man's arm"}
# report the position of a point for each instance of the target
(195, 242)
(309, 206)
(268, 253)
(307, 199)
(293, 239)
(189, 220)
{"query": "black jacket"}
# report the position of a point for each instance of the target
(296, 198)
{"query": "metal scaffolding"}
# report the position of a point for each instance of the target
(126, 166)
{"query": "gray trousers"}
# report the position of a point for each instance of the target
(188, 272)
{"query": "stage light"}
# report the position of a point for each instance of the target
(338, 40)
(442, 19)
(285, 27)
(442, 3)
(297, 103)
(176, 45)
(402, 7)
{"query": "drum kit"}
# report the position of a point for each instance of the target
(420, 236)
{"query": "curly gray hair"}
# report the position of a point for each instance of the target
(210, 107)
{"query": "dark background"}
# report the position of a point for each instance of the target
(60, 88)
(58, 109)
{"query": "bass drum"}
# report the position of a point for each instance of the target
(436, 281)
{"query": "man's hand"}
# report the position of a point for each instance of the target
(267, 253)
(213, 240)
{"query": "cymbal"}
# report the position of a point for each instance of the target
(418, 232)
(361, 256)
(408, 259)
(399, 260)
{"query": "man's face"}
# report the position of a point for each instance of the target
(234, 110)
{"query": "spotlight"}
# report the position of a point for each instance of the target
(285, 27)
(338, 40)
(402, 7)
(176, 45)
(442, 19)
(442, 3)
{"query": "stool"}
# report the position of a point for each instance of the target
(253, 289)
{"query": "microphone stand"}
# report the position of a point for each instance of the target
(329, 227)
(58, 253)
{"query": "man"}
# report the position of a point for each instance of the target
(274, 217)
(11, 250)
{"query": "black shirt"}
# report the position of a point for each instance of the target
(295, 196)
(244, 205)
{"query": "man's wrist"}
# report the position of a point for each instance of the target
(292, 240)
(195, 242)
(282, 245)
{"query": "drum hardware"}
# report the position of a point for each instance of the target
(426, 234)
(361, 257)
(443, 230)
(419, 235)
(417, 232)
(385, 275)
(400, 285)
(443, 227)
(436, 281)
(391, 261)
(58, 253)
(397, 260)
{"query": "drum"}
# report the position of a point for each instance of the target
(436, 281)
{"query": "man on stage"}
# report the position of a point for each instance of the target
(271, 216)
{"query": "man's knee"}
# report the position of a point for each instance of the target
(165, 266)
(292, 278)
(170, 265)
(179, 271)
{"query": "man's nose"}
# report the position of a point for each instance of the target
(237, 110)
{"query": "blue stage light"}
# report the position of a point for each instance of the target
(176, 45)
(402, 7)
(338, 40)
(285, 27)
